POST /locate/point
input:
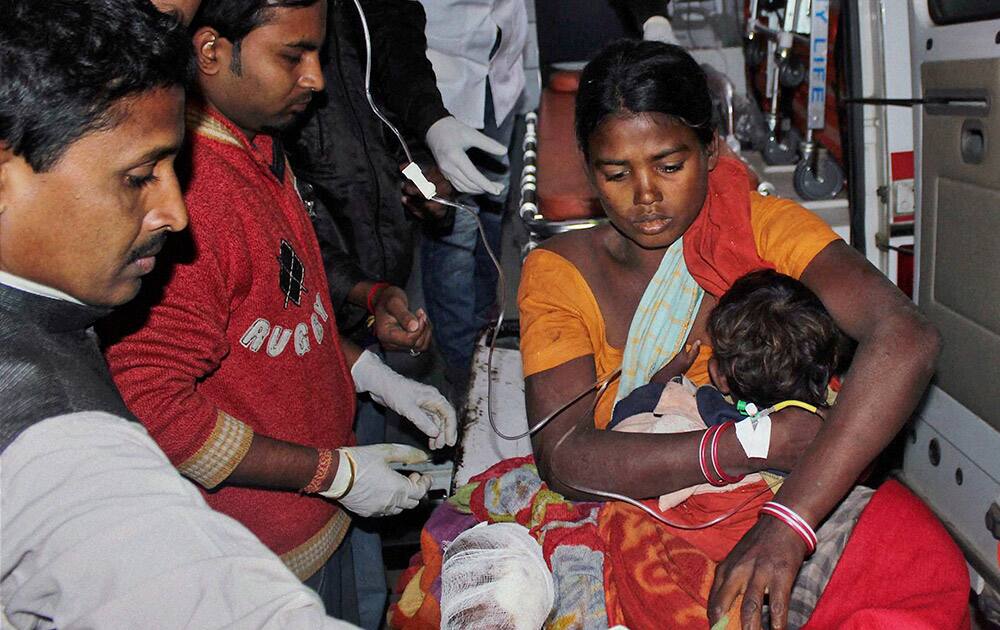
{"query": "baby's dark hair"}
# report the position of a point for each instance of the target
(773, 340)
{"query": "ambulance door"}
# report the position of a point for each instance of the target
(953, 456)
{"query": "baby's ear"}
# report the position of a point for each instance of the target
(718, 378)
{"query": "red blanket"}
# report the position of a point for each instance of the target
(900, 569)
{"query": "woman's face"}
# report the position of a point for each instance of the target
(651, 175)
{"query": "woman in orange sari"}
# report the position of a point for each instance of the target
(683, 225)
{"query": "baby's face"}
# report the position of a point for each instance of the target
(717, 377)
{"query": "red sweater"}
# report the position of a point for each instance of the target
(242, 341)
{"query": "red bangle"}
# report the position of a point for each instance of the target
(703, 447)
(371, 294)
(798, 524)
(728, 479)
(322, 469)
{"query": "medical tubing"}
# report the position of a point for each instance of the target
(502, 284)
(642, 506)
(368, 82)
(502, 280)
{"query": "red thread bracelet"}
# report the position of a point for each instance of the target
(371, 294)
(322, 468)
(788, 516)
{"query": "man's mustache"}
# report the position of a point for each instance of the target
(150, 248)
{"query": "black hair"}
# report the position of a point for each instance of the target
(65, 65)
(235, 19)
(773, 340)
(635, 77)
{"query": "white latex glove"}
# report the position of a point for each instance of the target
(448, 139)
(421, 404)
(658, 29)
(373, 488)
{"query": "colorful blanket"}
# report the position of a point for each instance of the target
(657, 577)
(591, 587)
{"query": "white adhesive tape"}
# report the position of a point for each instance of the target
(413, 173)
(754, 435)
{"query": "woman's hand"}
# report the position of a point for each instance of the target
(765, 561)
(792, 431)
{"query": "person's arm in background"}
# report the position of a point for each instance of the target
(402, 76)
(114, 506)
(395, 326)
(403, 79)
(894, 361)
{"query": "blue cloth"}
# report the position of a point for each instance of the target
(459, 279)
(712, 405)
(661, 322)
(366, 546)
(642, 400)
(714, 408)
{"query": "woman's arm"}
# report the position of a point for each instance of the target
(897, 348)
(637, 465)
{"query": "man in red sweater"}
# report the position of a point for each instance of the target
(232, 359)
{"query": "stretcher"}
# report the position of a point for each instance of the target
(555, 194)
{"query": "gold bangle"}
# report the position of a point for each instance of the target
(354, 470)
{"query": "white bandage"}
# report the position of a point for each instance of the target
(754, 435)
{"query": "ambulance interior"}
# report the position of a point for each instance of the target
(874, 114)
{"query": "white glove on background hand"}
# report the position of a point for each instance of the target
(421, 404)
(658, 29)
(448, 139)
(375, 489)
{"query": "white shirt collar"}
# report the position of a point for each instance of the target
(30, 286)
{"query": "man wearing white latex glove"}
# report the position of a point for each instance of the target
(449, 139)
(478, 50)
(421, 404)
(366, 485)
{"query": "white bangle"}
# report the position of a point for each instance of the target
(788, 516)
(343, 479)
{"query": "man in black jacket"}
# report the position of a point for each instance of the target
(353, 164)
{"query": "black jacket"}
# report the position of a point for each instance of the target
(352, 162)
(50, 362)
